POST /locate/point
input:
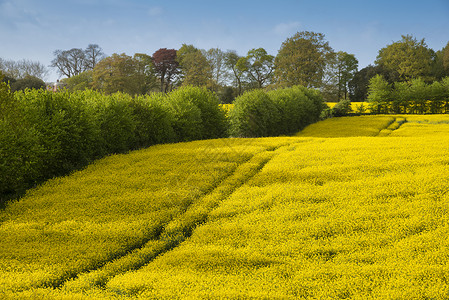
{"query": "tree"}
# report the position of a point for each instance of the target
(166, 66)
(231, 59)
(302, 60)
(259, 66)
(146, 74)
(23, 68)
(117, 73)
(69, 62)
(216, 58)
(445, 58)
(419, 95)
(79, 82)
(93, 54)
(195, 67)
(409, 57)
(346, 68)
(358, 85)
(379, 93)
(76, 60)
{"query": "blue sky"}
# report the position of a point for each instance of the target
(33, 29)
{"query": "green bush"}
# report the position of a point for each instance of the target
(65, 130)
(254, 115)
(197, 114)
(154, 122)
(293, 106)
(20, 150)
(342, 108)
(278, 112)
(187, 123)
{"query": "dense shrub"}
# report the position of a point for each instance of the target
(342, 108)
(45, 134)
(29, 82)
(65, 131)
(20, 150)
(196, 113)
(254, 115)
(278, 112)
(153, 122)
(292, 105)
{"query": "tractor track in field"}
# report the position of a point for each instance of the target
(173, 233)
(393, 126)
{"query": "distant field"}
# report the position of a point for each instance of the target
(352, 207)
(354, 105)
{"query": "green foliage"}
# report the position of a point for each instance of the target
(414, 96)
(153, 122)
(254, 115)
(21, 153)
(379, 94)
(302, 60)
(227, 95)
(79, 82)
(409, 57)
(196, 69)
(278, 112)
(28, 82)
(297, 106)
(123, 73)
(45, 134)
(258, 65)
(196, 113)
(342, 108)
(65, 130)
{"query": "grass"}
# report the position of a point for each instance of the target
(350, 208)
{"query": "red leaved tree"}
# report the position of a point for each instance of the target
(166, 67)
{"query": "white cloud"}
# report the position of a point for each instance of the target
(284, 29)
(155, 11)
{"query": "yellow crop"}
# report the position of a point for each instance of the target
(356, 106)
(359, 216)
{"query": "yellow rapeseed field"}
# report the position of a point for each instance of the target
(354, 208)
(362, 107)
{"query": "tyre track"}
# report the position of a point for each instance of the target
(173, 233)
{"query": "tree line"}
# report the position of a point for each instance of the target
(414, 96)
(304, 59)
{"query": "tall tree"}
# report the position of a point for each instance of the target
(116, 73)
(302, 60)
(94, 54)
(259, 66)
(446, 59)
(166, 66)
(409, 57)
(146, 74)
(216, 58)
(69, 62)
(346, 68)
(76, 60)
(195, 67)
(231, 60)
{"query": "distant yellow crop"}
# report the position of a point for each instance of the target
(356, 106)
(306, 217)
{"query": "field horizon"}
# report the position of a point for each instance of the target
(349, 208)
